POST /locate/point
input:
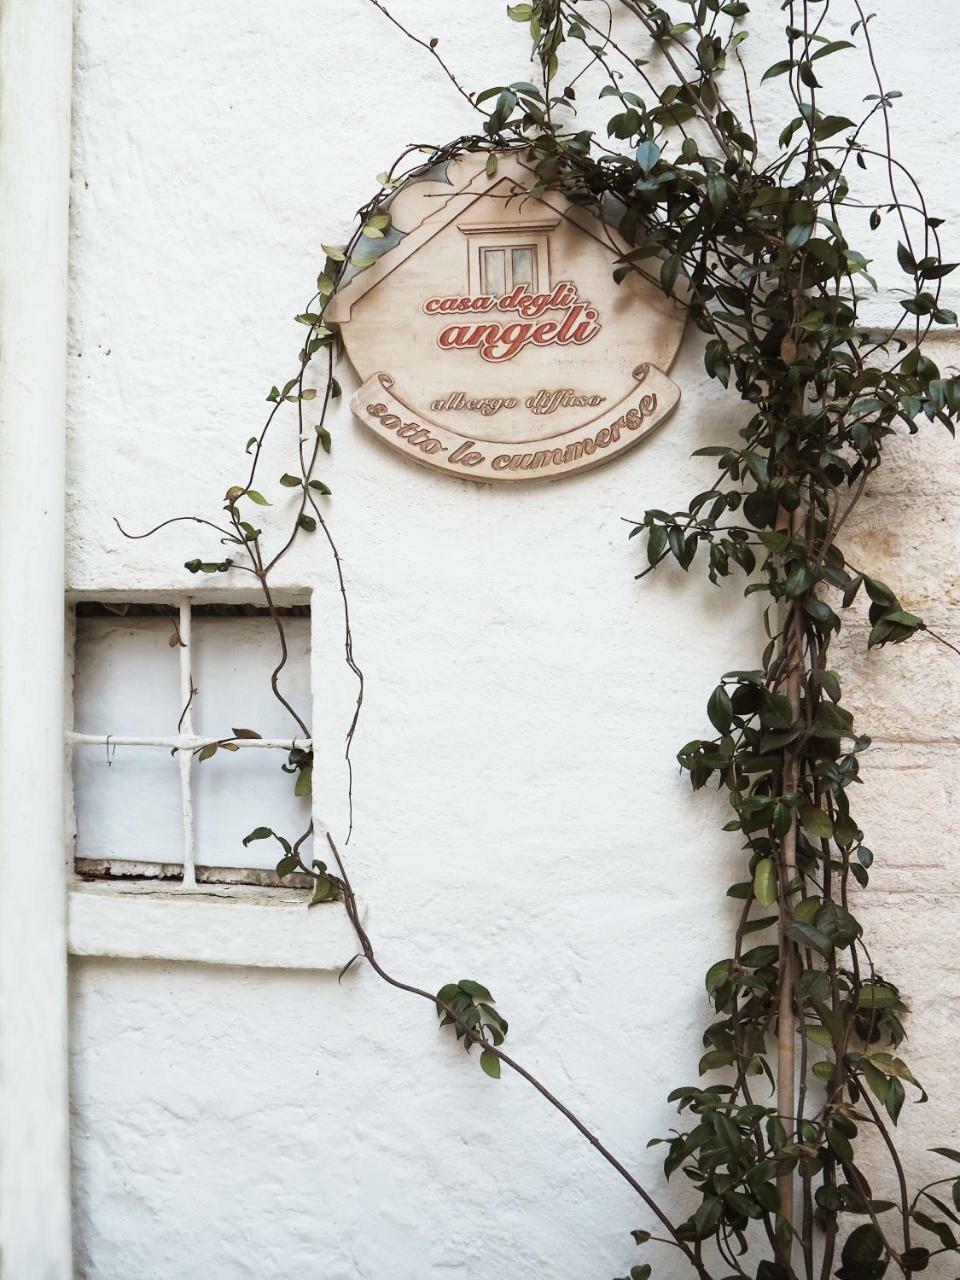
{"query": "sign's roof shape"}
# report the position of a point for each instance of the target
(427, 207)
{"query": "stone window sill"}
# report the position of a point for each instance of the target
(213, 924)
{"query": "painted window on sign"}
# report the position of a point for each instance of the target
(502, 270)
(153, 685)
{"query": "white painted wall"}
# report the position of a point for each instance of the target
(518, 819)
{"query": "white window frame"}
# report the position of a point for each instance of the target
(182, 873)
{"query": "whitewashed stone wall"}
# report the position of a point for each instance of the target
(518, 816)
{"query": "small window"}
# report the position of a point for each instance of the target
(153, 685)
(502, 270)
(501, 256)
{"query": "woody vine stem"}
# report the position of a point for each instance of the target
(750, 233)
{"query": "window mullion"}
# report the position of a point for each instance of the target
(184, 753)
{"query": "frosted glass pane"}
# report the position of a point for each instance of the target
(523, 267)
(237, 791)
(126, 682)
(493, 271)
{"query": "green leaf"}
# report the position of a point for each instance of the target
(915, 1259)
(880, 593)
(258, 498)
(290, 482)
(865, 1244)
(656, 542)
(320, 487)
(878, 996)
(716, 975)
(287, 865)
(939, 1229)
(799, 580)
(669, 272)
(475, 989)
(304, 781)
(829, 126)
(246, 733)
(820, 1036)
(806, 935)
(776, 711)
(837, 924)
(491, 1064)
(815, 821)
(715, 1059)
(903, 618)
(307, 523)
(878, 1082)
(806, 909)
(830, 683)
(707, 1216)
(832, 46)
(258, 833)
(906, 259)
(447, 994)
(648, 153)
(717, 193)
(325, 439)
(765, 882)
(807, 76)
(206, 752)
(779, 69)
(720, 709)
(324, 890)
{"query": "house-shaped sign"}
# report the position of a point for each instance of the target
(492, 340)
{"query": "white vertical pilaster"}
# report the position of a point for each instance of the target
(35, 83)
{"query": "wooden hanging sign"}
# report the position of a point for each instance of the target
(492, 341)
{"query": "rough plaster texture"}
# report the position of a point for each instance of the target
(518, 815)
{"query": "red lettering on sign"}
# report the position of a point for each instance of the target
(496, 343)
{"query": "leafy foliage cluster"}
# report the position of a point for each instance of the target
(749, 233)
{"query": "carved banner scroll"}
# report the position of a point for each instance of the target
(494, 343)
(384, 408)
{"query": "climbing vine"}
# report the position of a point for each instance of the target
(749, 231)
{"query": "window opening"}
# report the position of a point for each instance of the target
(501, 256)
(153, 683)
